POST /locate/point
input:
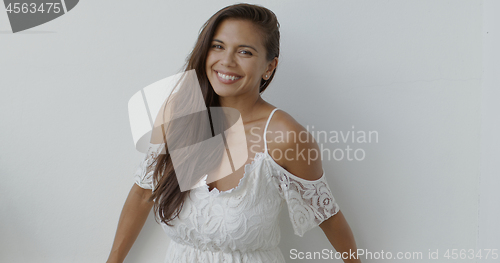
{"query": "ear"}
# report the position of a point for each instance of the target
(270, 68)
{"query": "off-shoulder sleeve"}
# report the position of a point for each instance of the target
(143, 176)
(309, 202)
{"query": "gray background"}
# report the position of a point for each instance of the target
(423, 74)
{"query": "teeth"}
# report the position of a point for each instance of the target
(228, 77)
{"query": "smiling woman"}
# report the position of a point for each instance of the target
(235, 218)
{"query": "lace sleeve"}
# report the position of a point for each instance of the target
(143, 176)
(309, 202)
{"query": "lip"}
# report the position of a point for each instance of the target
(227, 81)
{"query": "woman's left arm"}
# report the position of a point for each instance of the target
(339, 234)
(309, 167)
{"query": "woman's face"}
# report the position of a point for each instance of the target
(236, 60)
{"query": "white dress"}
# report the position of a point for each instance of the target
(241, 224)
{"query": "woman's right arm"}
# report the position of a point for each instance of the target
(132, 218)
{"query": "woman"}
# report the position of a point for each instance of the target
(235, 219)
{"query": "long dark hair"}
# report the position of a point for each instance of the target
(167, 195)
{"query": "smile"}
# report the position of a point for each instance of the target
(227, 78)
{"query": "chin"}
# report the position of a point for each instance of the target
(223, 92)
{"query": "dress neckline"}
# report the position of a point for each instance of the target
(248, 167)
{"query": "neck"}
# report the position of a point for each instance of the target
(247, 107)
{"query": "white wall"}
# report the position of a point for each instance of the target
(489, 198)
(410, 70)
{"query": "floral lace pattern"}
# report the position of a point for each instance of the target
(237, 225)
(241, 224)
(144, 176)
(309, 202)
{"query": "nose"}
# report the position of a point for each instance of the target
(228, 59)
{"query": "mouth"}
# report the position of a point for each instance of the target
(227, 78)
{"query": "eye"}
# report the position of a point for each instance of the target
(245, 52)
(216, 46)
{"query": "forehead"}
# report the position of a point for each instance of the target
(237, 31)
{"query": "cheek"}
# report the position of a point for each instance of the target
(210, 61)
(254, 70)
(256, 66)
(250, 67)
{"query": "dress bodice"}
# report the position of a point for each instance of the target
(241, 224)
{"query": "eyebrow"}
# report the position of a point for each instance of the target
(217, 40)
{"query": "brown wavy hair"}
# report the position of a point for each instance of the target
(167, 196)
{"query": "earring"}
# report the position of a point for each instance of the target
(266, 76)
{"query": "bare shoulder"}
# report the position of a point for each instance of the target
(293, 147)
